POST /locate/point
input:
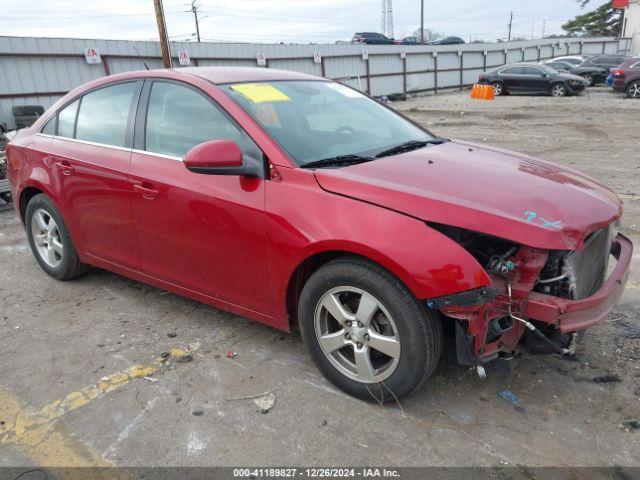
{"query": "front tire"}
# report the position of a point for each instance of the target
(366, 332)
(498, 88)
(50, 241)
(633, 90)
(559, 90)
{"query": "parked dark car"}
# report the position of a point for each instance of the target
(605, 61)
(448, 41)
(532, 78)
(592, 75)
(372, 38)
(627, 78)
(410, 41)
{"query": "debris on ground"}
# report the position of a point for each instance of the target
(613, 378)
(184, 359)
(510, 397)
(197, 413)
(265, 402)
(631, 425)
(151, 379)
(172, 335)
(231, 354)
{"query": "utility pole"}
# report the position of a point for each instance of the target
(194, 9)
(544, 26)
(422, 22)
(162, 32)
(510, 25)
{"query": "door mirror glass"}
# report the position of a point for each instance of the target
(215, 157)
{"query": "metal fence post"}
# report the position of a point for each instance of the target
(435, 72)
(368, 75)
(461, 55)
(404, 74)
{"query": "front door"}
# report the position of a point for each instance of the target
(90, 157)
(202, 232)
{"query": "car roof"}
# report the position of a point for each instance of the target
(244, 74)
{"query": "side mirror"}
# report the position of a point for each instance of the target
(216, 157)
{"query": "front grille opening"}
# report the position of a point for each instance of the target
(578, 274)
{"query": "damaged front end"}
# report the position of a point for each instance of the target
(538, 299)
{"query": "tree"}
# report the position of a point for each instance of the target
(429, 35)
(603, 21)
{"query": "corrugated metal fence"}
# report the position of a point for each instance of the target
(37, 71)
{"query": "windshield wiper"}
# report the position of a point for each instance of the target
(411, 145)
(340, 160)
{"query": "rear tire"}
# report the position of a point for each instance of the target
(633, 90)
(498, 88)
(559, 90)
(366, 332)
(50, 240)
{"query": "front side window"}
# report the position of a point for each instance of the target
(179, 118)
(532, 71)
(315, 120)
(67, 120)
(104, 114)
(50, 127)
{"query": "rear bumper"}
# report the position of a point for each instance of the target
(619, 84)
(573, 315)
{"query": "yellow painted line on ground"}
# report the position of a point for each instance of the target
(37, 435)
(629, 196)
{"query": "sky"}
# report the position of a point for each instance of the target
(288, 21)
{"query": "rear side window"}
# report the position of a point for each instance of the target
(67, 120)
(179, 118)
(512, 71)
(104, 114)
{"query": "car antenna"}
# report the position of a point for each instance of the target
(140, 57)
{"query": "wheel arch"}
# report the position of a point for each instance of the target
(456, 274)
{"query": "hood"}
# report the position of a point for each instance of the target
(489, 190)
(571, 76)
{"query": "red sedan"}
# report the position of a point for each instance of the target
(291, 199)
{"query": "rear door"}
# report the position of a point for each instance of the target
(511, 77)
(202, 232)
(90, 158)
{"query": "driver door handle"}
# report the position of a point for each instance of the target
(148, 192)
(65, 167)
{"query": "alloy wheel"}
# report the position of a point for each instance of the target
(357, 334)
(497, 89)
(558, 90)
(634, 90)
(46, 238)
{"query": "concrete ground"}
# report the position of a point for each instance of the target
(107, 371)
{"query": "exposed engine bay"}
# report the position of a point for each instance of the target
(494, 322)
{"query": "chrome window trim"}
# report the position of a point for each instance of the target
(115, 147)
(161, 155)
(86, 142)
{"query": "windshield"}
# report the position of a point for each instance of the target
(315, 120)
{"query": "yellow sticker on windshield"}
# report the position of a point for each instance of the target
(260, 92)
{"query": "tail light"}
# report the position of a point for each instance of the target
(361, 39)
(619, 72)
